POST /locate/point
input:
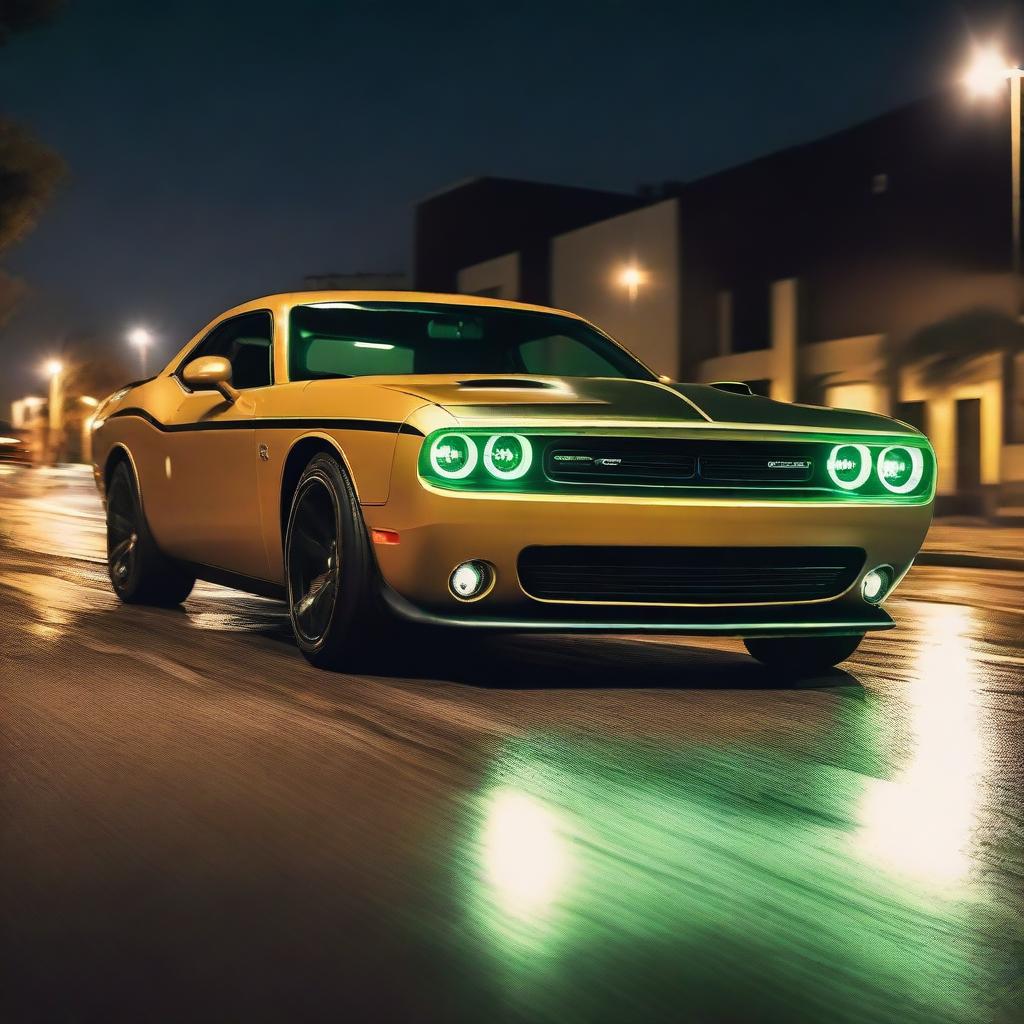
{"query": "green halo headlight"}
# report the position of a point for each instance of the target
(508, 456)
(453, 456)
(849, 465)
(900, 468)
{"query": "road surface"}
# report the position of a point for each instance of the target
(195, 825)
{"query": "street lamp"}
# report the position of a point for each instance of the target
(631, 277)
(54, 369)
(141, 339)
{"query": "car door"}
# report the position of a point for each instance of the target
(211, 452)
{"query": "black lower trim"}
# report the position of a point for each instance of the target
(822, 620)
(236, 581)
(271, 423)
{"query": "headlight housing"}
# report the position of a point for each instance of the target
(875, 469)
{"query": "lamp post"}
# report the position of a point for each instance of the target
(985, 76)
(141, 339)
(54, 369)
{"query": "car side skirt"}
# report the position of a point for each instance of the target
(236, 581)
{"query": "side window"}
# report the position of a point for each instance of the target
(246, 341)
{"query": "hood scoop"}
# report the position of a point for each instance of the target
(509, 383)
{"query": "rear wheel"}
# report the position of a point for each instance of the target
(139, 573)
(802, 655)
(332, 600)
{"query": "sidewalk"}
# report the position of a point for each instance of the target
(963, 542)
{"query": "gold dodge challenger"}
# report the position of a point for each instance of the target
(471, 463)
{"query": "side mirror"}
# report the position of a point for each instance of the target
(208, 373)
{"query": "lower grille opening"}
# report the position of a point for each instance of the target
(709, 575)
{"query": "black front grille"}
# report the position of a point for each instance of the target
(775, 468)
(657, 575)
(629, 461)
(686, 462)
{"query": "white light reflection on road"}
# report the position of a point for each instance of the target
(921, 822)
(525, 855)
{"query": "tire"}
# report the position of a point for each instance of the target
(139, 573)
(802, 655)
(333, 600)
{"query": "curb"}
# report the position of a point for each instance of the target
(956, 560)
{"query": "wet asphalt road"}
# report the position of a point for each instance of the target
(195, 825)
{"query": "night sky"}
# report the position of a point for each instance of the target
(218, 151)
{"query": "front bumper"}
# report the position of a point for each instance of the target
(439, 529)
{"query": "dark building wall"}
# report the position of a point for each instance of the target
(874, 221)
(489, 217)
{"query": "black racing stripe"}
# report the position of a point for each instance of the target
(272, 423)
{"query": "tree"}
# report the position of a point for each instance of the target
(19, 15)
(29, 172)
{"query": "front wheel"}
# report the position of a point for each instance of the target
(332, 600)
(802, 655)
(139, 572)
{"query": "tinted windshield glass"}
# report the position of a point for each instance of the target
(360, 339)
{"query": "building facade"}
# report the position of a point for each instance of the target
(871, 269)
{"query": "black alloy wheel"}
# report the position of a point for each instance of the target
(122, 531)
(314, 560)
(333, 582)
(139, 572)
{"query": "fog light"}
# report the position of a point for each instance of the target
(471, 580)
(875, 584)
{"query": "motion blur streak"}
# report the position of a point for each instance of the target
(531, 828)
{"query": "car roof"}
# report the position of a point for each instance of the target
(303, 298)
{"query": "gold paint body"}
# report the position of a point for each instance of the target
(212, 498)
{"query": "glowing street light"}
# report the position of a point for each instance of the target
(141, 339)
(987, 72)
(53, 368)
(631, 277)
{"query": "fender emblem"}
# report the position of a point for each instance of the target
(264, 452)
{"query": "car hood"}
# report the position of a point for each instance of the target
(549, 401)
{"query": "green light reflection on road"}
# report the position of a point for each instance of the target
(612, 873)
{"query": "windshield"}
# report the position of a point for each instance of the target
(342, 339)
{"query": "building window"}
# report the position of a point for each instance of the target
(751, 317)
(724, 322)
(914, 413)
(879, 184)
